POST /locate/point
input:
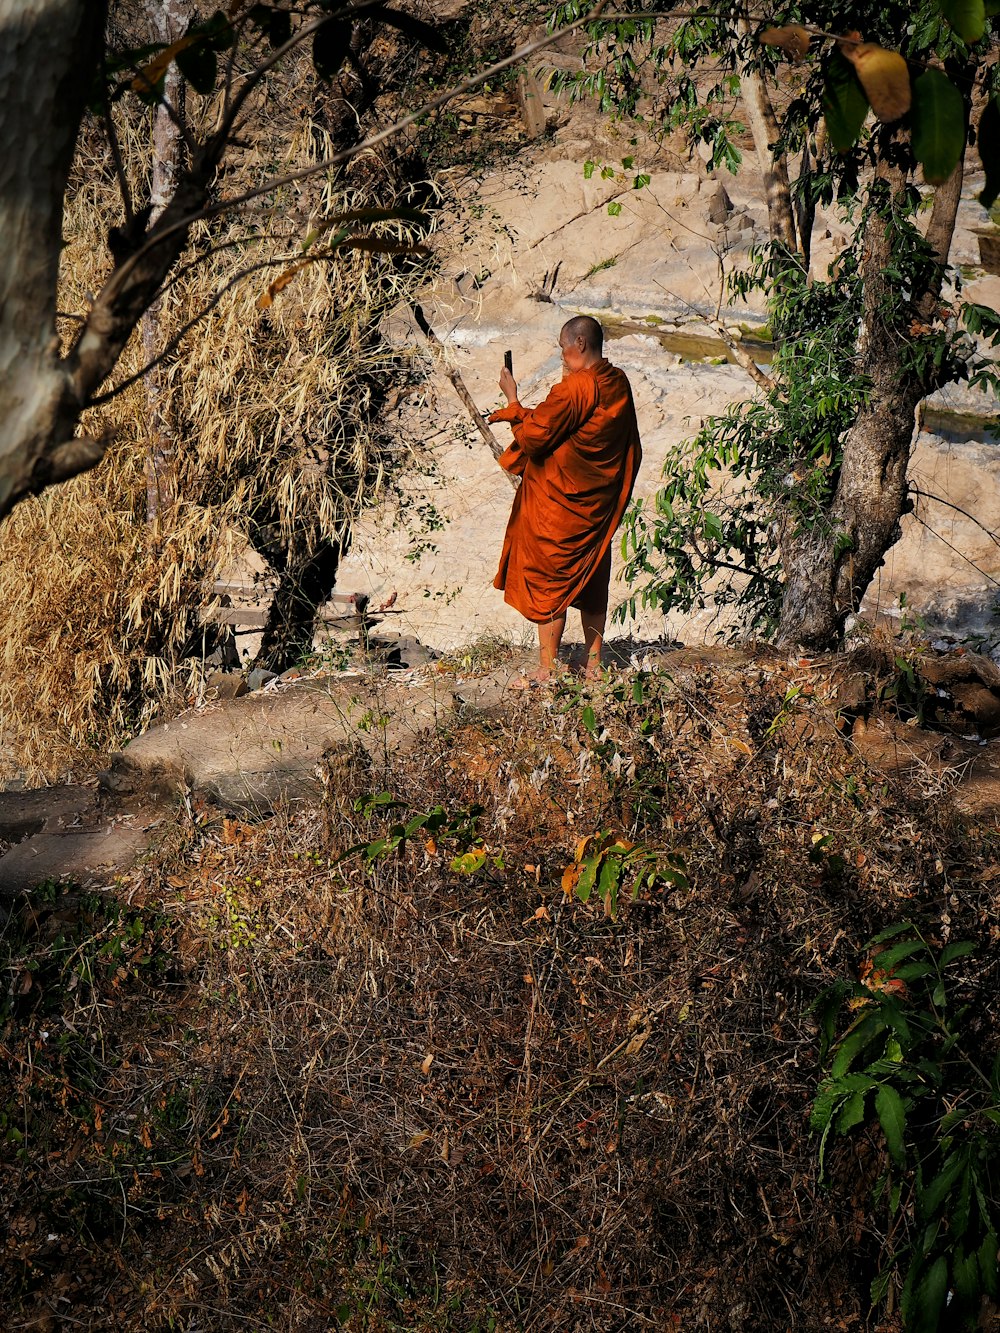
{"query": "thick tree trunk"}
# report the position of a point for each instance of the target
(49, 53)
(829, 567)
(48, 50)
(303, 586)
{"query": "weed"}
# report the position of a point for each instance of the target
(601, 266)
(908, 1061)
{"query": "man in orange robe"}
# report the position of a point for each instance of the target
(577, 455)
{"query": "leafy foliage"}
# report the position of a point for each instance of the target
(903, 1062)
(738, 498)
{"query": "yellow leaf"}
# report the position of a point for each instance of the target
(418, 1139)
(742, 746)
(569, 877)
(425, 1064)
(793, 40)
(581, 848)
(637, 1043)
(150, 75)
(883, 75)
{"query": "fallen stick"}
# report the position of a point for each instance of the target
(458, 384)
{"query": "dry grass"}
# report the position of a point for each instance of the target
(272, 418)
(313, 1092)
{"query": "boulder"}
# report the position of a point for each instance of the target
(254, 752)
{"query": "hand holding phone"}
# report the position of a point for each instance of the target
(508, 361)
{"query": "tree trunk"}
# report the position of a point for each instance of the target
(166, 25)
(774, 166)
(48, 50)
(829, 567)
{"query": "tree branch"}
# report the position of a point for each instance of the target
(186, 220)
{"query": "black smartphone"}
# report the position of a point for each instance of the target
(508, 361)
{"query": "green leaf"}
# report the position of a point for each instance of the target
(470, 862)
(967, 17)
(330, 46)
(607, 884)
(925, 1313)
(826, 1008)
(845, 105)
(880, 1285)
(888, 958)
(938, 125)
(960, 949)
(823, 1108)
(713, 527)
(931, 1198)
(987, 1258)
(892, 1117)
(913, 971)
(614, 208)
(893, 1016)
(588, 875)
(853, 1044)
(988, 143)
(965, 1281)
(589, 719)
(852, 1113)
(889, 933)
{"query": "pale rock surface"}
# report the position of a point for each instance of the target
(270, 745)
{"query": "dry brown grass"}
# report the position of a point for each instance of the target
(273, 416)
(403, 1097)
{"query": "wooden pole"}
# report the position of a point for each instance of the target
(437, 347)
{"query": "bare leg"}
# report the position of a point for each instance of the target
(593, 637)
(549, 639)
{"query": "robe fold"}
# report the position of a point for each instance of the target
(577, 454)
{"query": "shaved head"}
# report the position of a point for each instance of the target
(587, 328)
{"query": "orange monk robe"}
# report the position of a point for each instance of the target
(577, 454)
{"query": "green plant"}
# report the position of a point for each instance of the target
(906, 689)
(607, 864)
(438, 827)
(908, 1062)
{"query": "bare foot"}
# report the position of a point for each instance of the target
(541, 676)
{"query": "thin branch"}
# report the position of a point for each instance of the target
(934, 533)
(297, 38)
(119, 164)
(743, 357)
(182, 333)
(927, 495)
(179, 274)
(155, 238)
